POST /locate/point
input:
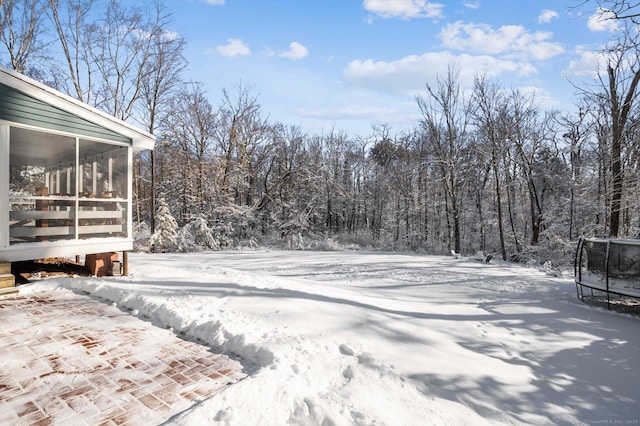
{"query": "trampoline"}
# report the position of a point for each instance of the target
(609, 266)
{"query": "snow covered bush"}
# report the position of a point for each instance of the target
(328, 244)
(196, 236)
(166, 236)
(203, 237)
(184, 240)
(141, 236)
(553, 247)
(233, 225)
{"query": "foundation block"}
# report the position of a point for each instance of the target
(100, 264)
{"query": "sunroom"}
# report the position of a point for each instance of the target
(65, 174)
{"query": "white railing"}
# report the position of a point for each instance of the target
(56, 218)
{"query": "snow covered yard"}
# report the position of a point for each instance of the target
(341, 338)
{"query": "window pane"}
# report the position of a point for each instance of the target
(40, 160)
(103, 170)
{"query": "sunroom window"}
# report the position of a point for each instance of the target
(63, 187)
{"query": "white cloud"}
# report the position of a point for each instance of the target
(214, 2)
(472, 4)
(408, 75)
(547, 15)
(405, 9)
(234, 47)
(509, 40)
(170, 35)
(267, 51)
(542, 96)
(296, 51)
(587, 64)
(602, 21)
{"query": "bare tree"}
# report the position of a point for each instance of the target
(445, 118)
(622, 89)
(286, 205)
(628, 10)
(240, 132)
(616, 89)
(161, 78)
(488, 117)
(121, 45)
(191, 128)
(526, 135)
(576, 132)
(75, 75)
(22, 26)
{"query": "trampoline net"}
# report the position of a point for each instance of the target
(623, 265)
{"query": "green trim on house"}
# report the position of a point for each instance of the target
(21, 108)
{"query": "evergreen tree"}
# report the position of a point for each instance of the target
(184, 240)
(202, 235)
(166, 236)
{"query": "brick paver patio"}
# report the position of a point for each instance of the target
(66, 358)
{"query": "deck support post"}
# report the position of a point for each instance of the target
(125, 263)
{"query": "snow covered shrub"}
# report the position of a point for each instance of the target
(328, 244)
(166, 236)
(184, 240)
(352, 241)
(196, 236)
(233, 224)
(551, 270)
(223, 232)
(338, 243)
(202, 235)
(553, 247)
(141, 236)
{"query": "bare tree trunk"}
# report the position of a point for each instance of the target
(620, 108)
(503, 250)
(509, 189)
(445, 117)
(152, 194)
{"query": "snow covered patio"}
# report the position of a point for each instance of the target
(360, 338)
(68, 359)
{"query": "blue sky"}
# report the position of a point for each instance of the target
(350, 64)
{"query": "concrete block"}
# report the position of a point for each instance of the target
(100, 264)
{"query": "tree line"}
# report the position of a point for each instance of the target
(483, 169)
